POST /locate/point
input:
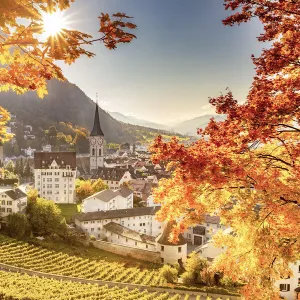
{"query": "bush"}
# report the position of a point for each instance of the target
(188, 278)
(194, 265)
(169, 273)
(92, 238)
(18, 225)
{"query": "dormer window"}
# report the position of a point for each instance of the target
(68, 166)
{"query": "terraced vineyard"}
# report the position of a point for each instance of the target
(15, 286)
(24, 255)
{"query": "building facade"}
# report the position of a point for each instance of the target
(289, 288)
(54, 176)
(141, 220)
(108, 200)
(12, 200)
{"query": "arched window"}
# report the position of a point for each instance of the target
(93, 151)
(100, 152)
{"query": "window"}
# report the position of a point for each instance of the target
(3, 202)
(93, 151)
(144, 224)
(57, 186)
(9, 202)
(85, 222)
(126, 240)
(162, 260)
(99, 228)
(144, 230)
(122, 223)
(141, 224)
(284, 287)
(65, 191)
(56, 179)
(70, 192)
(9, 210)
(162, 248)
(146, 246)
(92, 229)
(39, 176)
(118, 237)
(136, 243)
(92, 222)
(3, 209)
(179, 249)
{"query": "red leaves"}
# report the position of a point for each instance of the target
(112, 28)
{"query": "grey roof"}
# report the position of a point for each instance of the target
(97, 131)
(15, 194)
(163, 238)
(113, 174)
(107, 195)
(129, 233)
(119, 213)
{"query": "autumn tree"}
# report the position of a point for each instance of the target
(247, 168)
(29, 58)
(86, 188)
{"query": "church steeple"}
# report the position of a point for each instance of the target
(97, 131)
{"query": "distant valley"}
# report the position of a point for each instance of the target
(188, 127)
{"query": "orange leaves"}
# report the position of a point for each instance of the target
(112, 28)
(36, 62)
(247, 168)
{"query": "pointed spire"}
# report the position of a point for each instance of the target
(97, 131)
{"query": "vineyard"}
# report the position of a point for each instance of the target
(15, 286)
(24, 255)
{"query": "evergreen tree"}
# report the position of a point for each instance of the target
(27, 170)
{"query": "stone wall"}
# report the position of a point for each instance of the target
(141, 254)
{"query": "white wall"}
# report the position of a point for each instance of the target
(210, 251)
(92, 203)
(293, 282)
(142, 224)
(151, 203)
(56, 184)
(171, 254)
(118, 239)
(9, 206)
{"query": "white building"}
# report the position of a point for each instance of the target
(96, 140)
(171, 253)
(12, 200)
(202, 233)
(290, 287)
(150, 202)
(47, 148)
(118, 234)
(54, 175)
(108, 200)
(140, 219)
(29, 151)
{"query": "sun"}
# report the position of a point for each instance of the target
(53, 23)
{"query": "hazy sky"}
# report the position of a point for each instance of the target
(182, 56)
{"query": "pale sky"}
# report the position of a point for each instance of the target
(182, 56)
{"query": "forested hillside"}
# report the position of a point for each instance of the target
(66, 103)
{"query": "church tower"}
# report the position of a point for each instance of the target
(96, 140)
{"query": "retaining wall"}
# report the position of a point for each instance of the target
(123, 250)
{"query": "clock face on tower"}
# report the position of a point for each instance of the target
(93, 141)
(100, 142)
